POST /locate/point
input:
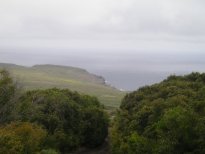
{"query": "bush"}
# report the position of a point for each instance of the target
(163, 118)
(68, 119)
(95, 127)
(71, 119)
(18, 138)
(7, 96)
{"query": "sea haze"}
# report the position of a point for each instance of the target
(123, 70)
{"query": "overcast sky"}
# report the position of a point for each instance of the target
(104, 25)
(126, 41)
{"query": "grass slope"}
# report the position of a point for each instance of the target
(76, 79)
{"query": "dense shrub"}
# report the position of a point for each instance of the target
(71, 119)
(95, 127)
(17, 138)
(7, 96)
(48, 121)
(168, 117)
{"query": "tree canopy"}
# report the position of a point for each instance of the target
(7, 96)
(70, 119)
(48, 121)
(168, 117)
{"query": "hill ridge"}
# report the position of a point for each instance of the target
(44, 76)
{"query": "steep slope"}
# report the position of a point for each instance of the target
(76, 79)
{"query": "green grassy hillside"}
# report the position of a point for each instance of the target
(76, 79)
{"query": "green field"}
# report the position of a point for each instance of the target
(75, 79)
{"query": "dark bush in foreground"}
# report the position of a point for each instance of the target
(21, 138)
(71, 119)
(165, 118)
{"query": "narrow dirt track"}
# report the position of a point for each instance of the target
(104, 149)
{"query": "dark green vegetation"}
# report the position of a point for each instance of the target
(165, 118)
(76, 79)
(48, 121)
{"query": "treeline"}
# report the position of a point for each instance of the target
(48, 121)
(165, 118)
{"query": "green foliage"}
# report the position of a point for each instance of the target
(71, 119)
(95, 127)
(163, 118)
(10, 143)
(7, 87)
(21, 138)
(7, 92)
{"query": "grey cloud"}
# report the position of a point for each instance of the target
(140, 25)
(64, 18)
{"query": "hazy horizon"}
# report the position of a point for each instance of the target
(124, 72)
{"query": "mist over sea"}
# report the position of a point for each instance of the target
(123, 70)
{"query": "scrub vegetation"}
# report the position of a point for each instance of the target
(164, 118)
(48, 121)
